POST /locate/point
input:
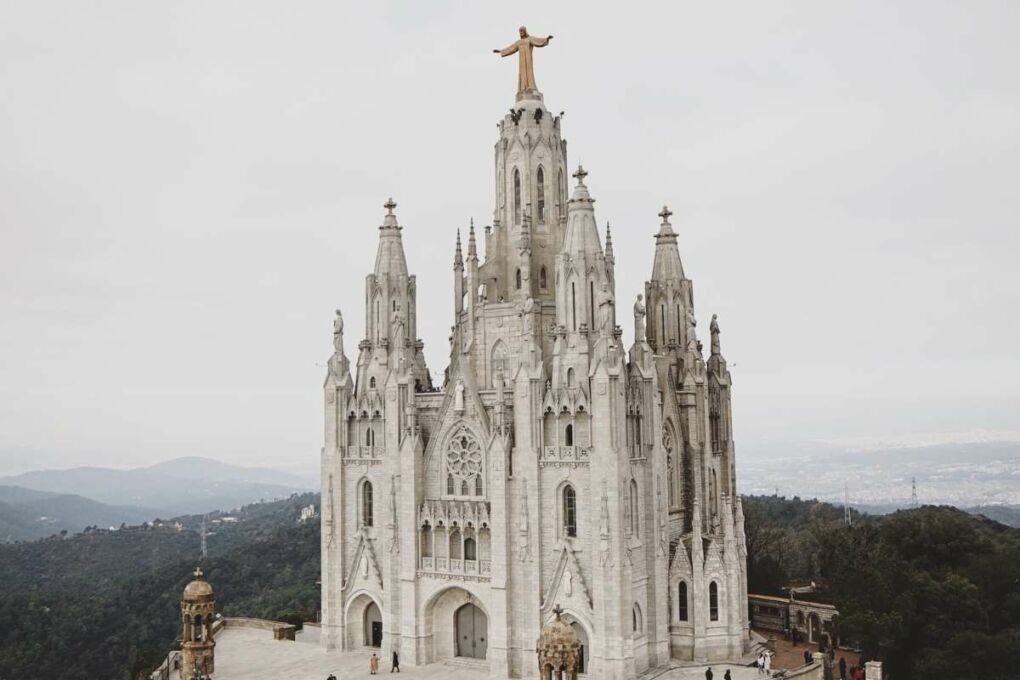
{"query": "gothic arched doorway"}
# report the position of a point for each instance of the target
(373, 626)
(472, 628)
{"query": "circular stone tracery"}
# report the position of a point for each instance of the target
(464, 456)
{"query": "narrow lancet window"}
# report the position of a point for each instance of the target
(540, 189)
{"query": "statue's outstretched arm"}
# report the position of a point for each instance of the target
(507, 51)
(540, 42)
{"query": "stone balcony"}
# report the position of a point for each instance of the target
(565, 456)
(458, 569)
(361, 455)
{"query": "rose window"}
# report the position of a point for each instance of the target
(464, 457)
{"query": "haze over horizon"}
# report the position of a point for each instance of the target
(188, 191)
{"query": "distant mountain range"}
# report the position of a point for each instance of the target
(43, 502)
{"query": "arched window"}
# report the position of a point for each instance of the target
(366, 504)
(573, 305)
(517, 196)
(455, 543)
(560, 191)
(569, 511)
(369, 437)
(464, 487)
(470, 552)
(197, 626)
(518, 279)
(635, 523)
(541, 194)
(636, 615)
(713, 601)
(542, 277)
(449, 484)
(500, 362)
(478, 485)
(569, 435)
(571, 378)
(681, 607)
(668, 445)
(426, 541)
(371, 383)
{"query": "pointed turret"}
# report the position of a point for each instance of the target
(458, 277)
(390, 259)
(610, 257)
(668, 294)
(667, 265)
(582, 236)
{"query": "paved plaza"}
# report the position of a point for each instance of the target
(251, 654)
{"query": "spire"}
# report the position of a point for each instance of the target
(609, 244)
(667, 255)
(389, 258)
(458, 257)
(472, 245)
(582, 235)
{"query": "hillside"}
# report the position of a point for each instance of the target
(209, 485)
(28, 514)
(106, 602)
(933, 591)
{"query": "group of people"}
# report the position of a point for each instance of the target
(709, 674)
(373, 665)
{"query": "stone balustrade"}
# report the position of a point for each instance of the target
(565, 456)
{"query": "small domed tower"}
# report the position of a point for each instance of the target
(198, 609)
(558, 650)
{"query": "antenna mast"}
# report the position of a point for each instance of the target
(204, 542)
(913, 492)
(846, 505)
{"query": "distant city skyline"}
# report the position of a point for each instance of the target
(185, 198)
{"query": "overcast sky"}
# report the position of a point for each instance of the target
(188, 189)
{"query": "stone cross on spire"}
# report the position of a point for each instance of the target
(665, 214)
(198, 572)
(390, 204)
(580, 175)
(558, 611)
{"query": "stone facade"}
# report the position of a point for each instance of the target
(550, 466)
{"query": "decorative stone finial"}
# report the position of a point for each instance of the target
(665, 214)
(390, 204)
(558, 611)
(198, 572)
(580, 175)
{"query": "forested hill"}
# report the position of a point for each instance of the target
(105, 604)
(934, 592)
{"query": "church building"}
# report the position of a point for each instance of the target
(550, 468)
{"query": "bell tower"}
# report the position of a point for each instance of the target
(198, 609)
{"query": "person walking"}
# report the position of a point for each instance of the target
(373, 665)
(396, 663)
(726, 675)
(842, 668)
(768, 664)
(760, 663)
(708, 673)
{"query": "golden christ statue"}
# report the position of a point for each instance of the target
(525, 65)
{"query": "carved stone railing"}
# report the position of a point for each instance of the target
(362, 455)
(454, 569)
(565, 456)
(450, 511)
